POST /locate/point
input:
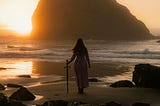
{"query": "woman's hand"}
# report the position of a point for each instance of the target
(89, 66)
(68, 62)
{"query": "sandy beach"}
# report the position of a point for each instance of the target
(98, 93)
(39, 39)
(93, 95)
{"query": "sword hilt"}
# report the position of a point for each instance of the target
(67, 66)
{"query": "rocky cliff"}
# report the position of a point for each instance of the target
(90, 19)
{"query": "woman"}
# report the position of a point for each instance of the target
(81, 64)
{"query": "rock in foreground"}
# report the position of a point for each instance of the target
(140, 104)
(22, 94)
(2, 87)
(14, 85)
(55, 103)
(112, 103)
(146, 75)
(3, 99)
(122, 83)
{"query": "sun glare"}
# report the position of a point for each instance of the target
(17, 68)
(16, 15)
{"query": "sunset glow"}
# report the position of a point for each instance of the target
(17, 68)
(145, 10)
(16, 15)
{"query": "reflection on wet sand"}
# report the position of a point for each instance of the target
(48, 68)
(29, 67)
(16, 68)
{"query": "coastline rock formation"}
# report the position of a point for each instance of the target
(89, 19)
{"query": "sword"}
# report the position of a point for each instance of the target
(67, 68)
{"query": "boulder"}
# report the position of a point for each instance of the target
(93, 80)
(140, 104)
(55, 103)
(79, 104)
(2, 68)
(2, 87)
(24, 76)
(158, 41)
(15, 103)
(112, 103)
(122, 83)
(22, 94)
(3, 99)
(146, 75)
(14, 85)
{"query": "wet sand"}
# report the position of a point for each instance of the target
(95, 94)
(98, 95)
(96, 70)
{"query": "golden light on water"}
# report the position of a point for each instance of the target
(17, 68)
(16, 15)
(22, 68)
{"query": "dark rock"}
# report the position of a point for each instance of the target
(24, 76)
(15, 103)
(3, 99)
(140, 104)
(111, 104)
(123, 83)
(14, 86)
(85, 105)
(1, 68)
(93, 80)
(158, 41)
(2, 87)
(55, 103)
(22, 94)
(146, 75)
(89, 19)
(79, 104)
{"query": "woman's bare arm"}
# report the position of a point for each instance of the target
(72, 58)
(88, 60)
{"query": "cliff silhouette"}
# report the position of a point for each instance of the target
(89, 19)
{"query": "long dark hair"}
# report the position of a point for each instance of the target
(80, 48)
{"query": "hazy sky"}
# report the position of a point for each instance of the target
(16, 14)
(146, 10)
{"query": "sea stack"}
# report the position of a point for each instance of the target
(89, 19)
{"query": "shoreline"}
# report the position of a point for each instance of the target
(96, 70)
(93, 95)
(52, 87)
(48, 72)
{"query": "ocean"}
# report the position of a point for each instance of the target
(17, 55)
(100, 51)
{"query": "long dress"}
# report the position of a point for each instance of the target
(81, 69)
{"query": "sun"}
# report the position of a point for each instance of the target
(22, 26)
(16, 15)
